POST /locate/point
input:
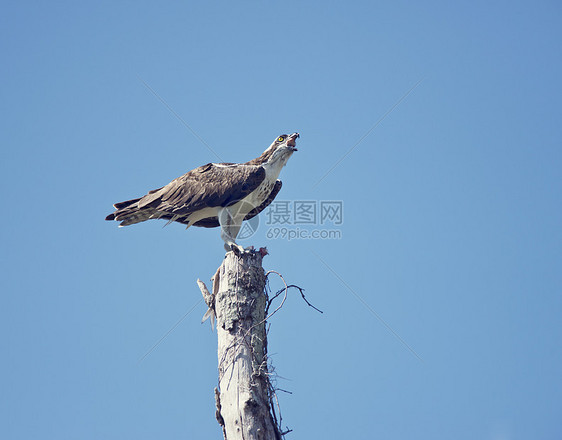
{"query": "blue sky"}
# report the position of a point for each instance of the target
(451, 206)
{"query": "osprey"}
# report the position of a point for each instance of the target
(215, 194)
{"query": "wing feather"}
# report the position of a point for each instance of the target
(206, 186)
(213, 222)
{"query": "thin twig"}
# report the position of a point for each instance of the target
(301, 290)
(284, 290)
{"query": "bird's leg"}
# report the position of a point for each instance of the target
(229, 231)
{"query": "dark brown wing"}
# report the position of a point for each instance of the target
(213, 222)
(207, 186)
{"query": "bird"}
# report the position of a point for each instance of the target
(215, 195)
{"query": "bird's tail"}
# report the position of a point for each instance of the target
(129, 213)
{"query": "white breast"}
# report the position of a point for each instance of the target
(262, 192)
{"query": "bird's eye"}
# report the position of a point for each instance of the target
(280, 138)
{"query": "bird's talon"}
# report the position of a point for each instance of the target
(237, 249)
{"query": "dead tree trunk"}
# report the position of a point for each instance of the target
(239, 302)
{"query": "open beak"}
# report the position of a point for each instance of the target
(292, 141)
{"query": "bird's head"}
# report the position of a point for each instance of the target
(286, 141)
(282, 147)
(279, 151)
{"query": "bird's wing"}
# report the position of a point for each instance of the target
(213, 222)
(210, 185)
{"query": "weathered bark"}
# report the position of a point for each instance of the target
(239, 302)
